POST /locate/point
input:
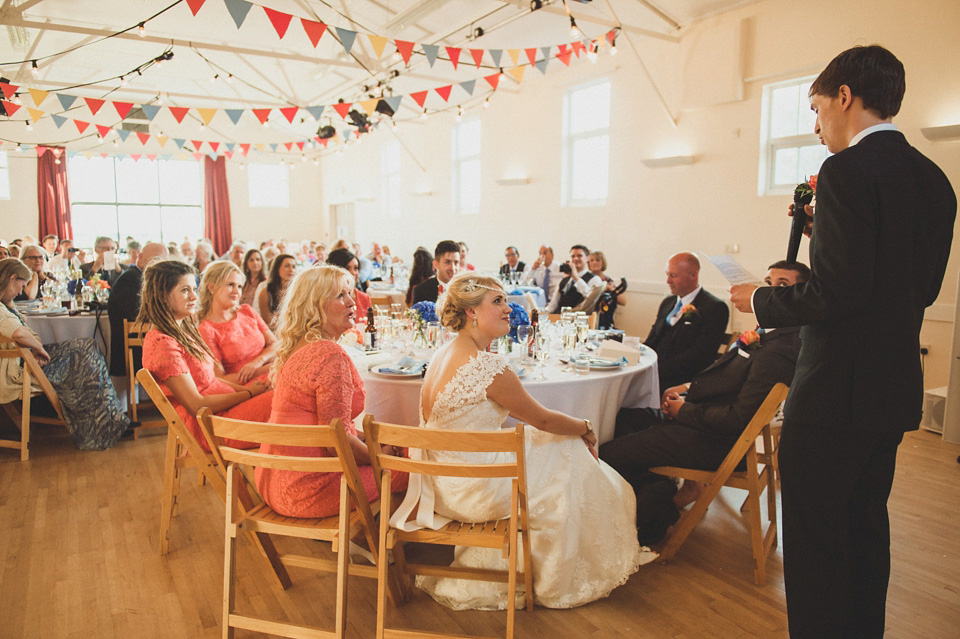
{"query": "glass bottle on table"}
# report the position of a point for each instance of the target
(370, 341)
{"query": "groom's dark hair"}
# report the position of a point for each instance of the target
(873, 74)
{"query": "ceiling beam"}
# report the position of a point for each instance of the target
(586, 17)
(660, 13)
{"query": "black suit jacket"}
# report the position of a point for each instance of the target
(724, 397)
(124, 303)
(110, 276)
(427, 291)
(688, 347)
(505, 268)
(880, 243)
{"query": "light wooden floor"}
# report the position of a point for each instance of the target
(78, 558)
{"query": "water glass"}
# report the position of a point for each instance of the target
(523, 338)
(581, 363)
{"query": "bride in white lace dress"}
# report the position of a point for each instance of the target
(582, 513)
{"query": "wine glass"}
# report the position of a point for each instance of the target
(541, 352)
(523, 339)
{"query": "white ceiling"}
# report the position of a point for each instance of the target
(270, 72)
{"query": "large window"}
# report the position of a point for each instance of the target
(159, 201)
(390, 170)
(269, 185)
(586, 144)
(465, 142)
(4, 176)
(790, 150)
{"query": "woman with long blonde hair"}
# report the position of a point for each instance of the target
(315, 382)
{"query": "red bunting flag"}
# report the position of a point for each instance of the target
(300, 145)
(611, 35)
(280, 21)
(94, 105)
(288, 146)
(229, 154)
(41, 150)
(104, 155)
(10, 107)
(151, 156)
(564, 56)
(103, 130)
(136, 156)
(123, 108)
(532, 55)
(245, 148)
(493, 80)
(290, 113)
(81, 125)
(419, 97)
(179, 113)
(197, 156)
(196, 144)
(8, 89)
(477, 56)
(195, 5)
(405, 49)
(324, 142)
(313, 29)
(144, 138)
(342, 108)
(262, 115)
(214, 146)
(578, 48)
(454, 53)
(444, 92)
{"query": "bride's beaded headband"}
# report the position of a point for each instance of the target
(472, 285)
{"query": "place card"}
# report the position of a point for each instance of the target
(614, 350)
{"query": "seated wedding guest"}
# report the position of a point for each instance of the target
(545, 273)
(255, 272)
(203, 256)
(377, 257)
(578, 282)
(513, 265)
(581, 512)
(186, 250)
(67, 258)
(240, 341)
(50, 244)
(464, 251)
(421, 271)
(446, 263)
(76, 369)
(349, 262)
(269, 293)
(389, 255)
(365, 272)
(36, 260)
(133, 252)
(235, 254)
(124, 304)
(4, 252)
(320, 251)
(106, 249)
(698, 423)
(13, 250)
(316, 382)
(181, 362)
(269, 254)
(341, 243)
(690, 324)
(597, 263)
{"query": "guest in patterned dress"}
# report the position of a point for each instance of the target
(241, 344)
(76, 370)
(316, 382)
(253, 269)
(179, 359)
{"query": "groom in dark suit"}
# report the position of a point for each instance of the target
(879, 246)
(690, 324)
(446, 264)
(698, 424)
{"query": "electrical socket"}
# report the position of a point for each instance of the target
(924, 349)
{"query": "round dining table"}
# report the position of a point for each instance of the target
(596, 396)
(52, 328)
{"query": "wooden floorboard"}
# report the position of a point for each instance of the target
(78, 558)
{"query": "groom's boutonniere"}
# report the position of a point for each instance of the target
(748, 341)
(688, 311)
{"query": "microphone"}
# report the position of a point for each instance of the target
(802, 196)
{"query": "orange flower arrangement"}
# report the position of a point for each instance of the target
(749, 340)
(687, 311)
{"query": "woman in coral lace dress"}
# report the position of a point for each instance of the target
(315, 382)
(179, 359)
(241, 344)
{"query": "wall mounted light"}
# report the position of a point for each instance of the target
(942, 133)
(673, 160)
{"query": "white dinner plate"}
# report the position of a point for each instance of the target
(376, 370)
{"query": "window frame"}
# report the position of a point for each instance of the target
(769, 145)
(569, 140)
(457, 163)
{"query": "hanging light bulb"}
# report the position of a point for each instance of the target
(115, 145)
(29, 126)
(229, 78)
(316, 161)
(19, 148)
(242, 167)
(592, 53)
(160, 98)
(303, 158)
(202, 126)
(613, 47)
(574, 31)
(459, 113)
(141, 30)
(56, 160)
(292, 165)
(123, 81)
(423, 116)
(393, 125)
(34, 70)
(16, 98)
(486, 103)
(215, 77)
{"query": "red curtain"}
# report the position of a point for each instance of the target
(53, 198)
(216, 204)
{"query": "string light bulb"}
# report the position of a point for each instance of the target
(34, 69)
(303, 158)
(29, 126)
(574, 30)
(592, 53)
(215, 77)
(459, 113)
(486, 103)
(123, 81)
(423, 116)
(19, 148)
(56, 160)
(316, 161)
(141, 30)
(160, 98)
(229, 78)
(115, 145)
(242, 166)
(613, 47)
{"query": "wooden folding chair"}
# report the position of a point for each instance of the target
(133, 333)
(183, 451)
(21, 417)
(757, 478)
(262, 519)
(501, 534)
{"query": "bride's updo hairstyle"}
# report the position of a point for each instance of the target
(465, 290)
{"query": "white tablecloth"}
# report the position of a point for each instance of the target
(60, 328)
(596, 396)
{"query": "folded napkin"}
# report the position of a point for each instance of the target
(406, 366)
(603, 361)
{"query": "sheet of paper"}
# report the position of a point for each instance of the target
(732, 270)
(110, 260)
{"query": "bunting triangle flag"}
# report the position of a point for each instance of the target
(454, 53)
(541, 66)
(10, 107)
(150, 110)
(315, 111)
(81, 125)
(370, 106)
(35, 114)
(197, 156)
(124, 134)
(346, 37)
(212, 156)
(273, 147)
(258, 147)
(38, 96)
(514, 55)
(477, 56)
(288, 146)
(280, 21)
(531, 55)
(347, 134)
(229, 154)
(195, 5)
(577, 48)
(342, 108)
(289, 113)
(123, 108)
(196, 144)
(162, 140)
(444, 92)
(612, 36)
(493, 80)
(144, 138)
(234, 114)
(564, 57)
(495, 55)
(41, 150)
(206, 115)
(300, 145)
(405, 49)
(262, 114)
(546, 52)
(10, 89)
(66, 101)
(468, 86)
(313, 29)
(179, 142)
(214, 146)
(57, 119)
(93, 104)
(230, 145)
(394, 102)
(324, 142)
(517, 73)
(419, 97)
(179, 113)
(136, 156)
(431, 51)
(244, 148)
(238, 10)
(151, 156)
(378, 43)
